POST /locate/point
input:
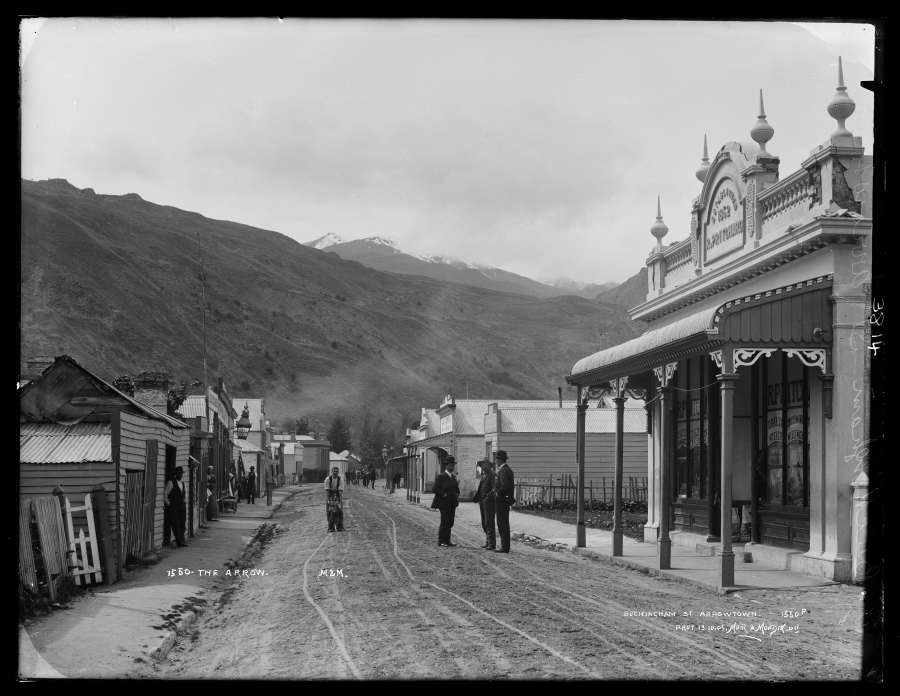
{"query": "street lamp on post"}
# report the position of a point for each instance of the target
(243, 425)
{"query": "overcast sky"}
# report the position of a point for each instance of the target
(537, 147)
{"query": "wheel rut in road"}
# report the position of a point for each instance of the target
(383, 600)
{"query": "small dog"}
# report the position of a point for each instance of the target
(335, 515)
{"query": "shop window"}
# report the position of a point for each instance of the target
(682, 401)
(695, 422)
(787, 431)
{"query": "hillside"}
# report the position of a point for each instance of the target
(629, 294)
(383, 254)
(113, 281)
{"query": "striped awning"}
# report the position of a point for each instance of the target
(51, 443)
(785, 316)
(695, 326)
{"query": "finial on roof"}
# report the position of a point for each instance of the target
(842, 106)
(704, 163)
(659, 229)
(762, 132)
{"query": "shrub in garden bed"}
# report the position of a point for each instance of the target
(632, 507)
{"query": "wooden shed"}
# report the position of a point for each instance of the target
(540, 442)
(77, 430)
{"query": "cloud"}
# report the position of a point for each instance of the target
(538, 147)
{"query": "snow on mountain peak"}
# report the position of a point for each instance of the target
(326, 241)
(386, 241)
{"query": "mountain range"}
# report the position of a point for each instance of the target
(116, 283)
(384, 254)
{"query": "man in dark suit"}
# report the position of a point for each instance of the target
(484, 496)
(446, 499)
(175, 511)
(504, 497)
(251, 486)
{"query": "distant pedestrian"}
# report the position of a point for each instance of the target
(504, 498)
(251, 486)
(334, 504)
(446, 499)
(484, 496)
(212, 504)
(174, 502)
(397, 480)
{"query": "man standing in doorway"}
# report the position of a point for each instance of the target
(174, 518)
(334, 503)
(251, 486)
(446, 499)
(504, 498)
(484, 496)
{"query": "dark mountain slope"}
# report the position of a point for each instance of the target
(113, 281)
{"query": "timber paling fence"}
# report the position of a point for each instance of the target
(51, 551)
(565, 489)
(44, 558)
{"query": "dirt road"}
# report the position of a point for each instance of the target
(399, 606)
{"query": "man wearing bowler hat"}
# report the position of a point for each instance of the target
(484, 496)
(174, 517)
(446, 499)
(504, 498)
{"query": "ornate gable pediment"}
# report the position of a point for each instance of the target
(719, 226)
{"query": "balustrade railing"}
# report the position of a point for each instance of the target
(677, 256)
(787, 195)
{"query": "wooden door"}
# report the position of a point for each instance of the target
(134, 505)
(148, 512)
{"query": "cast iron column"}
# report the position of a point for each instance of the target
(726, 386)
(580, 536)
(754, 453)
(617, 505)
(664, 545)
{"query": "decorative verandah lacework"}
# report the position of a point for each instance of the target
(811, 357)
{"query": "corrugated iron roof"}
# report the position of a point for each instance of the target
(193, 406)
(245, 446)
(76, 415)
(50, 443)
(695, 324)
(563, 420)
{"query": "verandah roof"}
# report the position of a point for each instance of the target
(785, 315)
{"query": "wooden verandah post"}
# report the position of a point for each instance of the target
(726, 379)
(580, 535)
(617, 501)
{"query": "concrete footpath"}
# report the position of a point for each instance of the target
(103, 633)
(692, 563)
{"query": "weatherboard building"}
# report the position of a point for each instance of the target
(754, 364)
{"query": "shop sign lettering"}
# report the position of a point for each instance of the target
(725, 225)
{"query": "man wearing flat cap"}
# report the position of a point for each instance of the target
(504, 498)
(446, 499)
(174, 518)
(484, 496)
